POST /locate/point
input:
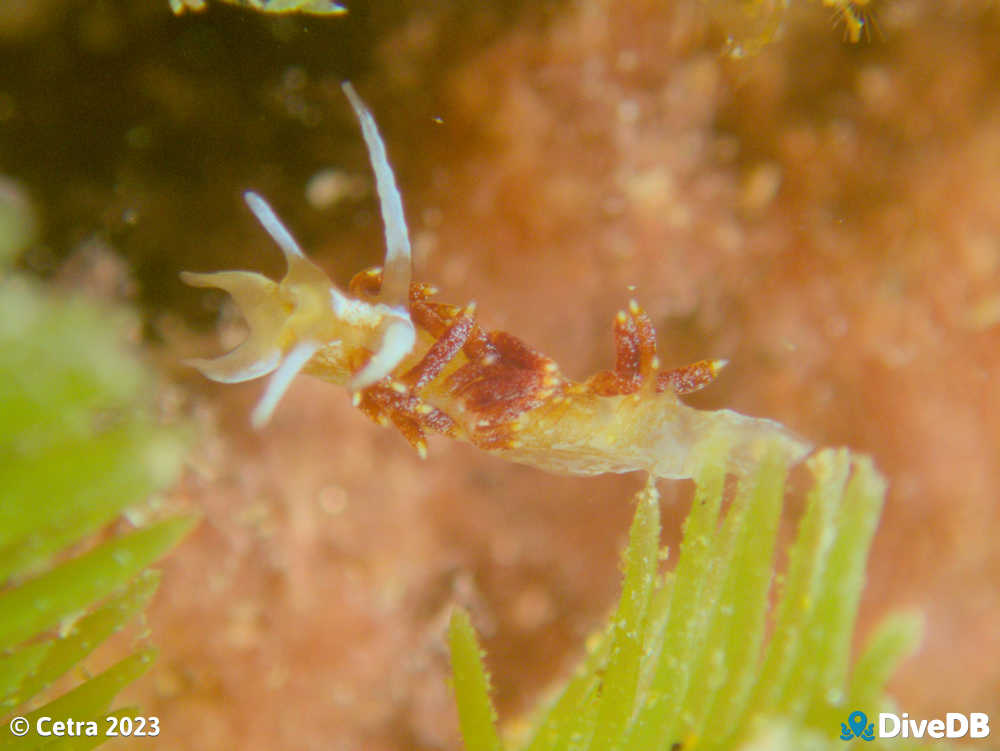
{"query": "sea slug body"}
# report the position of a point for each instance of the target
(429, 367)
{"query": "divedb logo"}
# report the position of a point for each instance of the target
(954, 725)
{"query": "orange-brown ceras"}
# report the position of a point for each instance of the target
(428, 367)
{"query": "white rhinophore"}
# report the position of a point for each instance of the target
(397, 269)
(291, 321)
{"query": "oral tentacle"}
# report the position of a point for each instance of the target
(397, 342)
(258, 301)
(255, 295)
(242, 364)
(397, 267)
(281, 380)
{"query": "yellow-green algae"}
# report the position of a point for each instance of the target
(308, 7)
(79, 445)
(686, 661)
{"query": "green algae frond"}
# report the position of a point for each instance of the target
(79, 447)
(307, 7)
(698, 658)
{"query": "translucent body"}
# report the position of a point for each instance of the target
(425, 366)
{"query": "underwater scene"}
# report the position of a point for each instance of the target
(499, 375)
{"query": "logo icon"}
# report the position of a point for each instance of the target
(857, 727)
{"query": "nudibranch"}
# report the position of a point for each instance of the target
(429, 367)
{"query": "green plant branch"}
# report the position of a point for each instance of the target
(684, 659)
(79, 446)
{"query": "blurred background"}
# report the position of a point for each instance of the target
(822, 213)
